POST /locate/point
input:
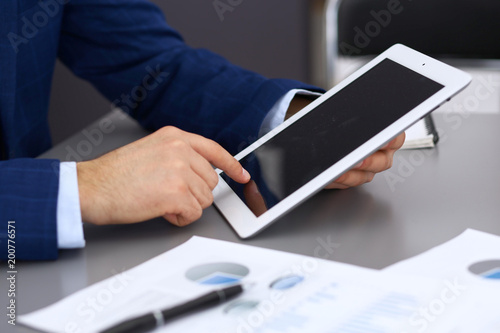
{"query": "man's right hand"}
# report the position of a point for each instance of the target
(167, 173)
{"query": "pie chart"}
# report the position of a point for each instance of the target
(217, 273)
(489, 269)
(286, 282)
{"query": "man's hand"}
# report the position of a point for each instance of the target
(167, 173)
(363, 173)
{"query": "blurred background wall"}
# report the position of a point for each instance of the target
(267, 36)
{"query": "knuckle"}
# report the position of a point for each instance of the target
(233, 164)
(165, 131)
(341, 179)
(389, 164)
(401, 140)
(214, 181)
(180, 188)
(208, 199)
(359, 180)
(368, 162)
(189, 216)
(182, 221)
(176, 143)
(196, 214)
(177, 222)
(347, 178)
(389, 161)
(168, 130)
(237, 166)
(190, 212)
(178, 165)
(370, 177)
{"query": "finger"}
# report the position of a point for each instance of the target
(395, 143)
(172, 218)
(254, 199)
(355, 178)
(220, 158)
(204, 170)
(186, 211)
(336, 186)
(200, 190)
(377, 162)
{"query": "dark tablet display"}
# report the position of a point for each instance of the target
(332, 130)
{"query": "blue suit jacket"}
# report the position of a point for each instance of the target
(119, 46)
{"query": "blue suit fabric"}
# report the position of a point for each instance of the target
(128, 52)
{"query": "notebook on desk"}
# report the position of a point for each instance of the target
(421, 135)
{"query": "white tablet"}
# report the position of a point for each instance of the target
(333, 134)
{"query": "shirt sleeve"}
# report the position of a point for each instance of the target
(276, 115)
(69, 218)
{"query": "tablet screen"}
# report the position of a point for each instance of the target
(331, 131)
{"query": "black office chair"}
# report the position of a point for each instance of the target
(445, 29)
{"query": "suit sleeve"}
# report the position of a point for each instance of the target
(28, 197)
(129, 53)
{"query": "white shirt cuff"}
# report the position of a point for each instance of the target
(69, 217)
(276, 116)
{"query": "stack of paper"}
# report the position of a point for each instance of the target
(469, 265)
(421, 135)
(293, 293)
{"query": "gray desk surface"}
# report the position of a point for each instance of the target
(427, 198)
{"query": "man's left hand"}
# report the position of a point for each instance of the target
(366, 170)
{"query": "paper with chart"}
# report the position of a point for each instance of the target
(470, 263)
(288, 293)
